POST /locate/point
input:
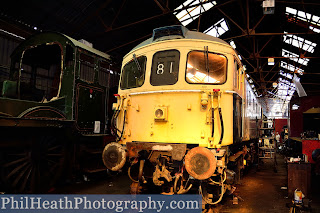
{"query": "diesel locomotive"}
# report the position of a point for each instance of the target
(54, 114)
(185, 115)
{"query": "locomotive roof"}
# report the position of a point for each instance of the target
(47, 37)
(188, 34)
(83, 46)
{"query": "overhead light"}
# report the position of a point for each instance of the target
(270, 61)
(268, 6)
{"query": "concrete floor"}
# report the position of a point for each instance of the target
(259, 191)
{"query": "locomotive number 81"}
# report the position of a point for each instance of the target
(184, 114)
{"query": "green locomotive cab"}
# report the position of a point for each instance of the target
(61, 78)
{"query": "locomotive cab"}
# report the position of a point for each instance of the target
(181, 105)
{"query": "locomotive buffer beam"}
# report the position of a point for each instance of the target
(176, 151)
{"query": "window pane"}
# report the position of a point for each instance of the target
(165, 68)
(104, 73)
(87, 68)
(133, 73)
(206, 71)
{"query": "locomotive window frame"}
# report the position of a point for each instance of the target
(212, 53)
(87, 68)
(163, 70)
(237, 73)
(39, 72)
(104, 73)
(135, 62)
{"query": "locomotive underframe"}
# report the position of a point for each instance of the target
(37, 154)
(163, 166)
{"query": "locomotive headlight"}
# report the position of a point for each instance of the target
(160, 113)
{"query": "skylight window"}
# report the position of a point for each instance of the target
(291, 67)
(314, 29)
(307, 17)
(285, 89)
(287, 75)
(186, 16)
(286, 82)
(218, 28)
(299, 42)
(294, 57)
(233, 44)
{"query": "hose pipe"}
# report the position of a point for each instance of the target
(222, 127)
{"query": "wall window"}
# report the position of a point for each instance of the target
(165, 68)
(133, 73)
(206, 68)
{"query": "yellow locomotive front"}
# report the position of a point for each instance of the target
(181, 102)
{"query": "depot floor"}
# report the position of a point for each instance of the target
(260, 190)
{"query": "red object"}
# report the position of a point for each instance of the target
(296, 116)
(278, 125)
(216, 90)
(308, 146)
(116, 95)
(91, 91)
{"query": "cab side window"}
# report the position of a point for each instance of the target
(133, 73)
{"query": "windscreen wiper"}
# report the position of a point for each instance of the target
(206, 57)
(137, 62)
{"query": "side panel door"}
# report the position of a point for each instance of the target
(90, 109)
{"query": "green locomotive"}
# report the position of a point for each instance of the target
(54, 111)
